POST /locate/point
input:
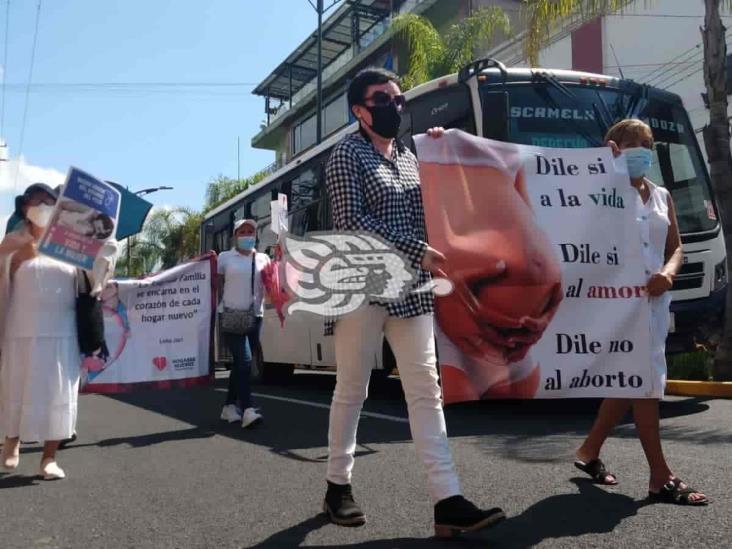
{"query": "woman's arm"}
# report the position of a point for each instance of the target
(663, 280)
(674, 254)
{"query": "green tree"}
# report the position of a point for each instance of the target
(169, 237)
(222, 188)
(432, 55)
(542, 17)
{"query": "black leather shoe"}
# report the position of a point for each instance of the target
(457, 514)
(340, 507)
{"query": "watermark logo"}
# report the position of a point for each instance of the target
(332, 274)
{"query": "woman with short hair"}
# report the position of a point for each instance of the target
(663, 256)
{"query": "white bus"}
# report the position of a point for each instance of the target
(551, 108)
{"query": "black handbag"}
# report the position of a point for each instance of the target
(239, 322)
(89, 319)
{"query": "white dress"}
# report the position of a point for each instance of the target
(654, 222)
(39, 376)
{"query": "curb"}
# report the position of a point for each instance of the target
(717, 389)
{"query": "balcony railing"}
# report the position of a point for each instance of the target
(340, 62)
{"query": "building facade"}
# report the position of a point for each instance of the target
(355, 35)
(656, 43)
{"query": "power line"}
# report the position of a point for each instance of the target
(686, 54)
(662, 78)
(5, 69)
(661, 15)
(134, 84)
(140, 89)
(668, 80)
(685, 77)
(27, 94)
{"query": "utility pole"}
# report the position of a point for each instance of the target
(238, 148)
(320, 10)
(319, 92)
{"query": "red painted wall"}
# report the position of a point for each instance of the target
(587, 47)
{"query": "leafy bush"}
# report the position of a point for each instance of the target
(694, 366)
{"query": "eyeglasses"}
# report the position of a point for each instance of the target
(383, 99)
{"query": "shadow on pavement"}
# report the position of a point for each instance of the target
(591, 511)
(9, 480)
(529, 431)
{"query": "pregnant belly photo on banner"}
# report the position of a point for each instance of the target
(548, 297)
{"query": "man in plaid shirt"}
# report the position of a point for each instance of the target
(373, 184)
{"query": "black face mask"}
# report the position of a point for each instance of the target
(385, 120)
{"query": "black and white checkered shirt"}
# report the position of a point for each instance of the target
(371, 193)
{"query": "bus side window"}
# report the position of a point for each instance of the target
(495, 115)
(446, 107)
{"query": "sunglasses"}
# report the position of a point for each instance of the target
(383, 99)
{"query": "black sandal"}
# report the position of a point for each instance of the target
(597, 471)
(672, 492)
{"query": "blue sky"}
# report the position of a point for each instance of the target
(146, 138)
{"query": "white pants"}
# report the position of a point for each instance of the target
(358, 338)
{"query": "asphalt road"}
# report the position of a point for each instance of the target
(159, 470)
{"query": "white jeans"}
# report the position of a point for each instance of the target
(357, 340)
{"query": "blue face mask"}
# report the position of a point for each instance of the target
(245, 242)
(639, 161)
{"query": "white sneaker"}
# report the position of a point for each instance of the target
(51, 471)
(230, 413)
(250, 417)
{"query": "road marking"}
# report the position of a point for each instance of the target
(327, 407)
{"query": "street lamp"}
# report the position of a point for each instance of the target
(142, 192)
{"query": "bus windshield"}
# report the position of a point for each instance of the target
(547, 116)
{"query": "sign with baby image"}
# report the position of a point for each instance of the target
(158, 331)
(84, 219)
(545, 256)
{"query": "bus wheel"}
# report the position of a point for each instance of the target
(277, 373)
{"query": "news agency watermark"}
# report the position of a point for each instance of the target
(333, 274)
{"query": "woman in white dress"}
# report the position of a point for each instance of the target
(663, 256)
(40, 368)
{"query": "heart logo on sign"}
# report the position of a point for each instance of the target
(160, 362)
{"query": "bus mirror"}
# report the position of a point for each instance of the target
(495, 115)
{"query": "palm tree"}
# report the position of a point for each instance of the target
(169, 237)
(541, 18)
(431, 55)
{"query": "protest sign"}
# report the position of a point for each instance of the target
(544, 251)
(158, 330)
(278, 215)
(85, 217)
